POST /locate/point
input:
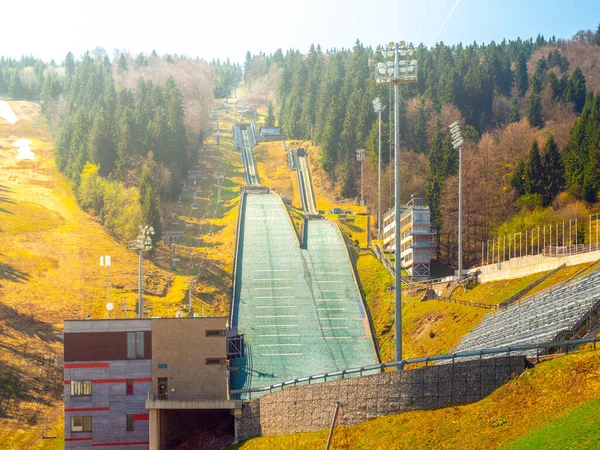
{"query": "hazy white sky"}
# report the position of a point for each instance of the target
(228, 28)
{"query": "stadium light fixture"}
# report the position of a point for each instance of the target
(457, 143)
(391, 74)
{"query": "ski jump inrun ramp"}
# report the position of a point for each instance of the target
(300, 309)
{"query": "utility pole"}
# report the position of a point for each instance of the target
(219, 176)
(360, 156)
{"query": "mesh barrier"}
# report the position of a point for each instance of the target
(299, 310)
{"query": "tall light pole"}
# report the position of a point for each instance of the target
(457, 143)
(105, 262)
(360, 157)
(143, 243)
(379, 108)
(396, 73)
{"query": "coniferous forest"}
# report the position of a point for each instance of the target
(526, 108)
(126, 132)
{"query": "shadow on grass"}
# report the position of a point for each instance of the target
(26, 324)
(10, 273)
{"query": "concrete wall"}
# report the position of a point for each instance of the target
(310, 407)
(527, 265)
(182, 344)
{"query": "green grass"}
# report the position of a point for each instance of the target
(496, 291)
(557, 395)
(576, 429)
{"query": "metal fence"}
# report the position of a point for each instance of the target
(540, 349)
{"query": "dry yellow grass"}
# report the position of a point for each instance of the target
(522, 406)
(49, 261)
(274, 170)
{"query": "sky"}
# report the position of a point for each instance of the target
(229, 28)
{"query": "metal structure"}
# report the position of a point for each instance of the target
(546, 241)
(360, 157)
(400, 71)
(379, 108)
(457, 143)
(219, 176)
(142, 244)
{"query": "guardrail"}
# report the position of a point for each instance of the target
(376, 368)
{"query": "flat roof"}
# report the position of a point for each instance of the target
(120, 325)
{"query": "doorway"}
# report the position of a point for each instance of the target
(163, 388)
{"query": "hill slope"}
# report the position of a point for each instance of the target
(561, 393)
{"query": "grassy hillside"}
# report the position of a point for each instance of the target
(49, 268)
(554, 406)
(206, 252)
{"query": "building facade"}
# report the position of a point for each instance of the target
(121, 377)
(417, 237)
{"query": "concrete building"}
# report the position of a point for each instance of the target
(145, 383)
(417, 236)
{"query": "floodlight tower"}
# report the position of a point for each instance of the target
(379, 108)
(143, 243)
(457, 143)
(398, 72)
(360, 157)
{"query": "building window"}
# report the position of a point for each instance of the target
(81, 388)
(212, 333)
(129, 425)
(81, 424)
(129, 386)
(214, 361)
(135, 345)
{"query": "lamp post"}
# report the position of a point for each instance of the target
(379, 108)
(457, 143)
(105, 262)
(396, 73)
(360, 157)
(143, 243)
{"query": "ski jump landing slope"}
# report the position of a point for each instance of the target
(299, 308)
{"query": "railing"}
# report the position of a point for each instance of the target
(546, 254)
(529, 288)
(376, 368)
(467, 303)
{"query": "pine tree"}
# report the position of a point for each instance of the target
(533, 177)
(420, 133)
(103, 151)
(534, 112)
(517, 180)
(69, 67)
(515, 113)
(270, 120)
(597, 36)
(591, 177)
(150, 203)
(122, 66)
(553, 171)
(577, 90)
(16, 91)
(437, 175)
(521, 77)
